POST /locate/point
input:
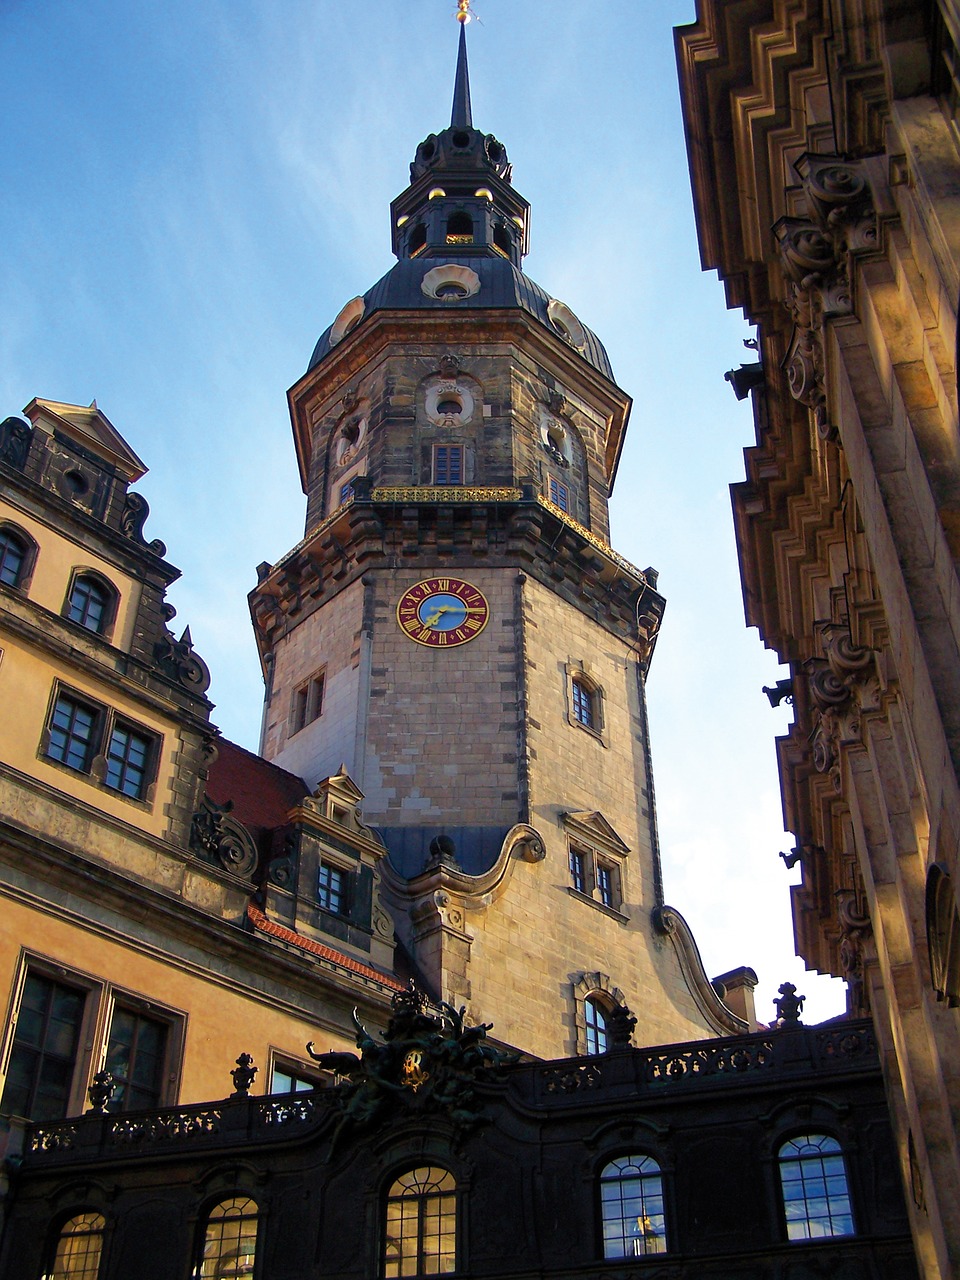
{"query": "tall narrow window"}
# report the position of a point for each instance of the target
(448, 464)
(605, 884)
(136, 1050)
(89, 603)
(330, 888)
(631, 1208)
(79, 1247)
(816, 1202)
(421, 1225)
(73, 731)
(128, 758)
(13, 557)
(578, 871)
(229, 1241)
(596, 1026)
(44, 1053)
(583, 709)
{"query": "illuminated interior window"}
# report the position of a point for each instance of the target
(229, 1241)
(79, 1248)
(816, 1202)
(421, 1225)
(631, 1208)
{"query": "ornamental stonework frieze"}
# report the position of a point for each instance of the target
(815, 255)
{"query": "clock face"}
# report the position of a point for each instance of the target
(442, 612)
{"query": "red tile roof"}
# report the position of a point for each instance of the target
(265, 925)
(262, 793)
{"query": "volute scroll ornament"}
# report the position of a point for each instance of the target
(222, 840)
(815, 257)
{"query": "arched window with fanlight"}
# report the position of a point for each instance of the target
(631, 1207)
(78, 1248)
(813, 1180)
(420, 1237)
(228, 1248)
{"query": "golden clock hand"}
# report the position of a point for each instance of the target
(432, 619)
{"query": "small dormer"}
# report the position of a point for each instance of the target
(77, 452)
(323, 878)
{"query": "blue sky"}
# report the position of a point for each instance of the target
(193, 190)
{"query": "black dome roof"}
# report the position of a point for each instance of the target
(502, 287)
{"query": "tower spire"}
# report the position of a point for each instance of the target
(462, 115)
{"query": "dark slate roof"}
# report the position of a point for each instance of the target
(476, 848)
(502, 286)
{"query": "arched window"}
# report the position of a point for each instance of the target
(418, 238)
(631, 1208)
(229, 1247)
(421, 1224)
(583, 701)
(91, 603)
(816, 1202)
(13, 557)
(502, 240)
(596, 1025)
(79, 1247)
(943, 936)
(460, 228)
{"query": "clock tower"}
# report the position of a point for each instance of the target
(456, 634)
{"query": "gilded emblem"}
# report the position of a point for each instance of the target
(412, 1072)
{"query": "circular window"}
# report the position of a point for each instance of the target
(450, 283)
(349, 317)
(461, 138)
(566, 323)
(75, 483)
(448, 403)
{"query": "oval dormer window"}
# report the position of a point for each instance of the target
(348, 319)
(566, 323)
(450, 283)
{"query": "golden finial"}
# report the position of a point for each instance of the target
(464, 13)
